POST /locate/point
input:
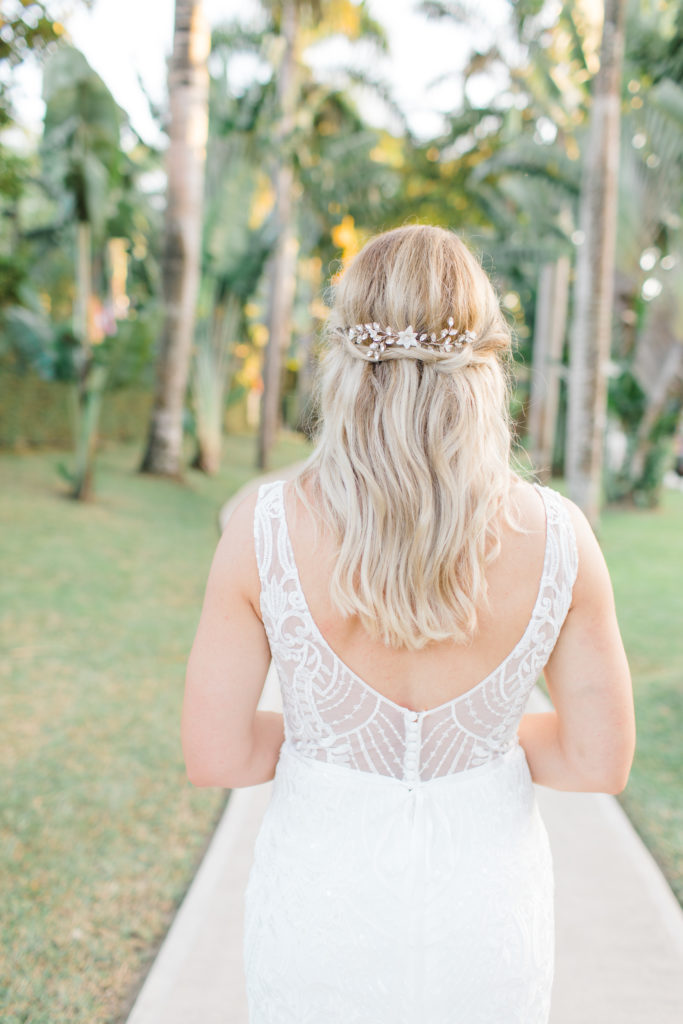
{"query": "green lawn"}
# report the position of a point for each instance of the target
(644, 551)
(100, 830)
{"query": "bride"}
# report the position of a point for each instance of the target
(410, 589)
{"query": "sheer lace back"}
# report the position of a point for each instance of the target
(333, 715)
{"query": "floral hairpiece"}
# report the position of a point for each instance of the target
(448, 340)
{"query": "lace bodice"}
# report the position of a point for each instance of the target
(333, 715)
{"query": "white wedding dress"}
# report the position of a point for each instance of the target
(402, 873)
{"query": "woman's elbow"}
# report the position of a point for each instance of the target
(203, 778)
(212, 759)
(206, 769)
(615, 782)
(200, 770)
(601, 763)
(224, 769)
(622, 761)
(609, 775)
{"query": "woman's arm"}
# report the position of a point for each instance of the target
(587, 742)
(226, 741)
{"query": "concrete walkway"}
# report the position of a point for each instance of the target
(619, 953)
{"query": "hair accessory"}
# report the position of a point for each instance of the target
(380, 338)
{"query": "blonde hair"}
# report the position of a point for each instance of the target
(411, 466)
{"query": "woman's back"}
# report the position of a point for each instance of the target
(442, 671)
(427, 722)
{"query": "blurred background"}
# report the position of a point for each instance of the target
(180, 183)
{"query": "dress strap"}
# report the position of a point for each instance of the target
(565, 560)
(267, 532)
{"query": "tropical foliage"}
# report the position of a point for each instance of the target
(297, 176)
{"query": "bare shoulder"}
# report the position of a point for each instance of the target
(241, 518)
(582, 528)
(530, 511)
(527, 505)
(234, 562)
(239, 528)
(593, 585)
(586, 541)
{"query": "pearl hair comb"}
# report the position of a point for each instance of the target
(380, 338)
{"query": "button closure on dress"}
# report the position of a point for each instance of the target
(411, 756)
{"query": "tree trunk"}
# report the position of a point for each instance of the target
(213, 368)
(283, 261)
(594, 288)
(670, 372)
(90, 384)
(188, 86)
(549, 330)
(658, 369)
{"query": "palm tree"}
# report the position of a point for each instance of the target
(188, 83)
(549, 331)
(650, 287)
(299, 22)
(322, 157)
(83, 158)
(283, 259)
(555, 84)
(591, 332)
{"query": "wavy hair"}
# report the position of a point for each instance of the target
(411, 465)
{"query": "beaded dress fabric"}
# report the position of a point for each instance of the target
(402, 872)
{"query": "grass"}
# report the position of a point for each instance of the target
(100, 831)
(644, 552)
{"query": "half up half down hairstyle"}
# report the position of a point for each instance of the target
(411, 465)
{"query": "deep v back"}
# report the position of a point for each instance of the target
(334, 715)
